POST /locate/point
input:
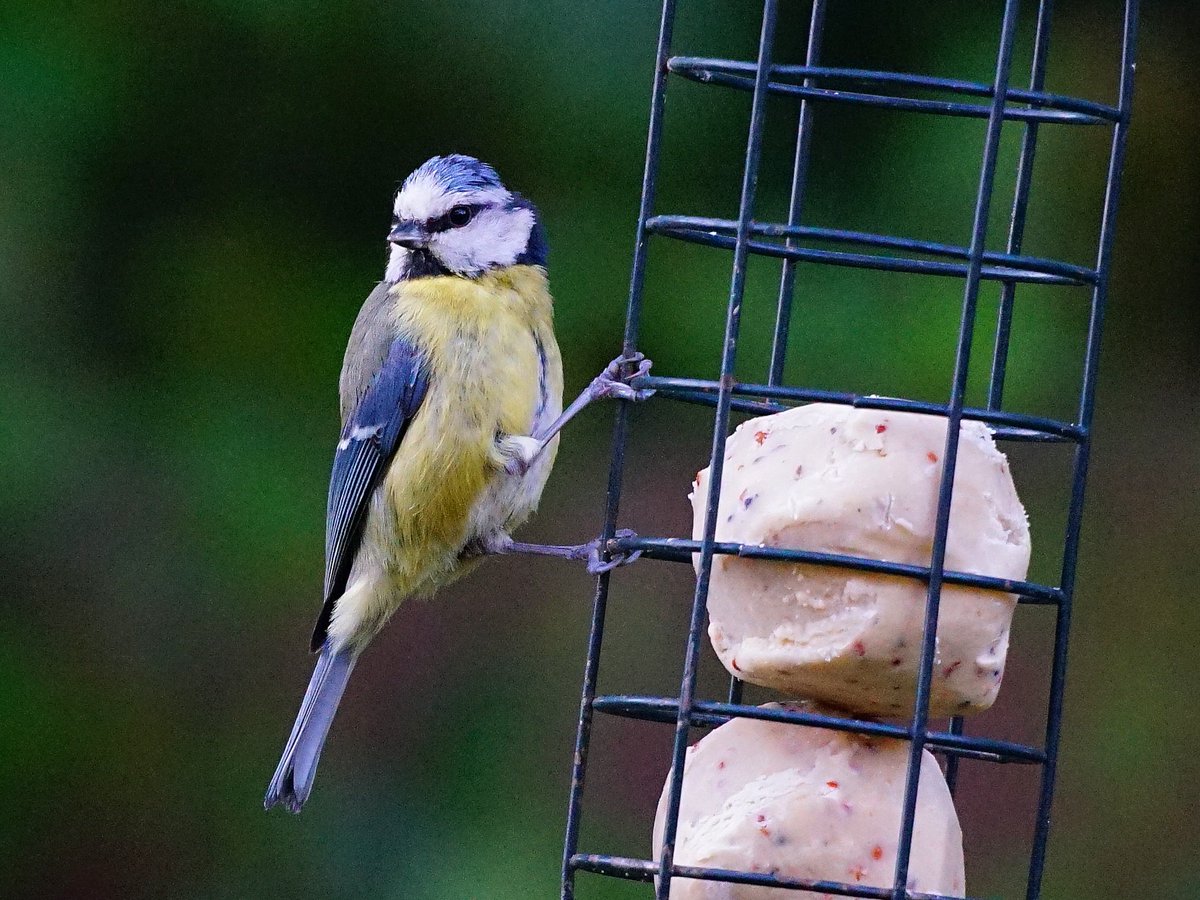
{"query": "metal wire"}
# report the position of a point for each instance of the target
(793, 243)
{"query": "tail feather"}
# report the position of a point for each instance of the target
(293, 779)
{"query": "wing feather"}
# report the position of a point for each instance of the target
(369, 440)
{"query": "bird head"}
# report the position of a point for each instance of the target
(453, 216)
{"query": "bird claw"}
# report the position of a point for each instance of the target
(598, 566)
(612, 383)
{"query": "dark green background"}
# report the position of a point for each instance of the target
(193, 203)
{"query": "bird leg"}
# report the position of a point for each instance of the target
(610, 383)
(502, 544)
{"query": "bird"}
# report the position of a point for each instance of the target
(450, 399)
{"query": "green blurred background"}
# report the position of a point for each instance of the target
(193, 207)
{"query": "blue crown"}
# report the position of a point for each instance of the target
(458, 173)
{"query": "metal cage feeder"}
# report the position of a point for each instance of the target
(1028, 108)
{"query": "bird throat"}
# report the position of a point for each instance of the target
(422, 263)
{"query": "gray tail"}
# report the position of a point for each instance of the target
(293, 779)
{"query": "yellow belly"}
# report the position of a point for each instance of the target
(494, 370)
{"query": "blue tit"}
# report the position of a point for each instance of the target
(451, 400)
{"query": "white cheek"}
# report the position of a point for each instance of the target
(397, 259)
(495, 238)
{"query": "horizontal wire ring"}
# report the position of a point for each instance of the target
(1039, 106)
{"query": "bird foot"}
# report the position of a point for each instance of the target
(591, 552)
(611, 383)
(596, 565)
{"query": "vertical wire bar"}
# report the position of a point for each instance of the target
(1016, 229)
(1008, 289)
(620, 438)
(720, 428)
(787, 281)
(1087, 401)
(951, 773)
(920, 719)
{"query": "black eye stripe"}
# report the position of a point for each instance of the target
(442, 222)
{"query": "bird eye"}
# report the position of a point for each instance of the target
(460, 216)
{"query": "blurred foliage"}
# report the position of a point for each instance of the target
(194, 203)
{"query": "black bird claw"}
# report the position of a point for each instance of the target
(597, 566)
(612, 383)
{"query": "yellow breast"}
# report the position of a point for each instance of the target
(493, 361)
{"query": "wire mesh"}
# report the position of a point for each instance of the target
(813, 83)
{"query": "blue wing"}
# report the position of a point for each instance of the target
(369, 440)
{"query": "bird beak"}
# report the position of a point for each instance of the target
(409, 235)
